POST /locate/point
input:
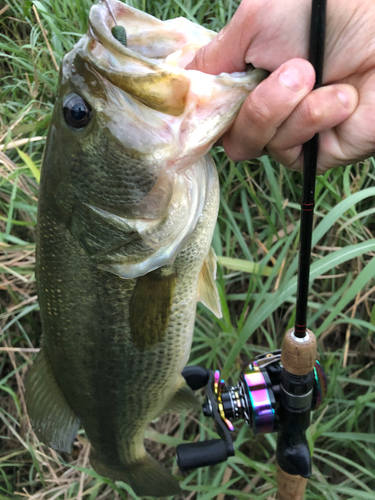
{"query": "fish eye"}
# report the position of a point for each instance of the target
(77, 112)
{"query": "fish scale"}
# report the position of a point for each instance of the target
(127, 209)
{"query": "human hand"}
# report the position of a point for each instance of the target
(282, 113)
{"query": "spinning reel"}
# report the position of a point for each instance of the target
(266, 400)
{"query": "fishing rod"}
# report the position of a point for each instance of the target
(278, 390)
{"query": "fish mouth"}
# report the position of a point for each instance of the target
(156, 109)
(151, 67)
(150, 42)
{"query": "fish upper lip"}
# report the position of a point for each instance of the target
(156, 39)
(154, 46)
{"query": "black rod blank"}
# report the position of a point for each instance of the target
(316, 57)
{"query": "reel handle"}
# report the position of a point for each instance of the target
(193, 455)
(214, 451)
(196, 377)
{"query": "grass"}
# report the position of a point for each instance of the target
(256, 239)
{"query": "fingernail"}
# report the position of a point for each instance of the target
(343, 98)
(291, 79)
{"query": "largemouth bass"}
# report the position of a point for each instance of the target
(127, 208)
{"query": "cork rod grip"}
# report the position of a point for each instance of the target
(298, 357)
(290, 487)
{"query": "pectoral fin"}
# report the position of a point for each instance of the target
(150, 307)
(51, 416)
(207, 291)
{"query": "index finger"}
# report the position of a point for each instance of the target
(265, 33)
(226, 53)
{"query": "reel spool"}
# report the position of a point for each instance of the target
(260, 399)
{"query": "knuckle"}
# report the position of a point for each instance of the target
(258, 111)
(313, 112)
(232, 152)
(369, 132)
(200, 59)
(290, 158)
(240, 150)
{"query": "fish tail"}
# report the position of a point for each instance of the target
(146, 476)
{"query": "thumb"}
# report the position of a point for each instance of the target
(226, 53)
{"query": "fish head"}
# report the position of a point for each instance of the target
(128, 119)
